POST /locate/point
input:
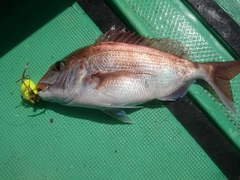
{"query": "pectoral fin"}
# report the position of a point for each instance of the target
(118, 114)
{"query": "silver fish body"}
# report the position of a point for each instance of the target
(113, 74)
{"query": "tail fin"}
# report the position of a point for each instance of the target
(220, 74)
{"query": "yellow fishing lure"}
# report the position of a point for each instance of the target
(28, 88)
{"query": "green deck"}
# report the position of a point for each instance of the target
(77, 143)
(231, 7)
(175, 20)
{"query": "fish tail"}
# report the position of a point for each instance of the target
(218, 76)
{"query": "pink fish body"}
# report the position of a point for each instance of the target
(123, 70)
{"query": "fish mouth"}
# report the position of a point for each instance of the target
(42, 86)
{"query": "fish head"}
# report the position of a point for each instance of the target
(60, 81)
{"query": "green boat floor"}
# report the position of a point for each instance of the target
(77, 143)
(174, 20)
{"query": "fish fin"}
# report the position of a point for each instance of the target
(126, 107)
(221, 73)
(178, 93)
(164, 44)
(171, 46)
(118, 114)
(100, 78)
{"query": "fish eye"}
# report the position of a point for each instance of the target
(58, 66)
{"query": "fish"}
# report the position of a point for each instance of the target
(124, 70)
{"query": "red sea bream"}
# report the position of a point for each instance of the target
(123, 70)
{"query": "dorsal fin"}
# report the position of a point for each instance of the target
(164, 44)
